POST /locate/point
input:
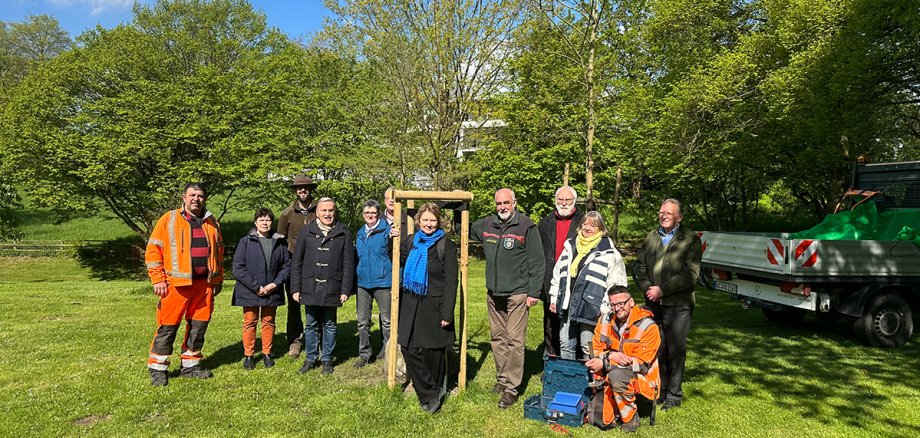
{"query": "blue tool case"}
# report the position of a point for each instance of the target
(565, 393)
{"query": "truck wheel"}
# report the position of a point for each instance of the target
(887, 322)
(786, 316)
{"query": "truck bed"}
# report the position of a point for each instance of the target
(775, 256)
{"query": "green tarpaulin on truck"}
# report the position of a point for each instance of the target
(865, 222)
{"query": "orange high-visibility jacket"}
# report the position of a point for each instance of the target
(169, 255)
(640, 340)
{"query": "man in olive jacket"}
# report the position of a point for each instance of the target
(514, 277)
(666, 271)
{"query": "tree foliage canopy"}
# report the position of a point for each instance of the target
(734, 106)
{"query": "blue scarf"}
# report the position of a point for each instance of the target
(415, 274)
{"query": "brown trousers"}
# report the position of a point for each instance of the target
(508, 324)
(250, 319)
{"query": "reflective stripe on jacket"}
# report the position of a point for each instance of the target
(168, 255)
(603, 268)
(640, 340)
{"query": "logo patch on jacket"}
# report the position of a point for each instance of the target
(508, 242)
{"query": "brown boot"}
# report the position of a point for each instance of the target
(631, 426)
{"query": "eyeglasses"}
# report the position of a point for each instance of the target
(565, 200)
(620, 304)
(303, 189)
(371, 213)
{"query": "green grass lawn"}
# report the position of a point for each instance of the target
(73, 352)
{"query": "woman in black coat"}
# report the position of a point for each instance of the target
(261, 264)
(426, 306)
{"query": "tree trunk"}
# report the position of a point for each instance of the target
(592, 117)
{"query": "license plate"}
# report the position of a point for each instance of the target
(726, 287)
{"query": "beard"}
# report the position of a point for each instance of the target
(505, 215)
(565, 211)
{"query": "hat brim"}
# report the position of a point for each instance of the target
(311, 185)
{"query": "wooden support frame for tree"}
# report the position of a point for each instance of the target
(410, 196)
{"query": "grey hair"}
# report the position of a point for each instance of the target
(675, 202)
(513, 196)
(372, 203)
(598, 221)
(325, 199)
(570, 188)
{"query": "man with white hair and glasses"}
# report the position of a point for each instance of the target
(555, 228)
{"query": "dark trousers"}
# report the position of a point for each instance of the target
(674, 322)
(294, 325)
(551, 328)
(426, 368)
(320, 318)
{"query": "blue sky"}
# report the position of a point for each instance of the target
(294, 17)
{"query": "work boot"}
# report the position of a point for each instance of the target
(268, 360)
(158, 378)
(327, 368)
(432, 407)
(196, 372)
(248, 363)
(361, 362)
(670, 404)
(307, 366)
(508, 399)
(294, 349)
(498, 388)
(631, 426)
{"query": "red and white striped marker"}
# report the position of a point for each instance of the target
(806, 254)
(776, 252)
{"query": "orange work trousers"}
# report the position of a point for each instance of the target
(194, 303)
(250, 319)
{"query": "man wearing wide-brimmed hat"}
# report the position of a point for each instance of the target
(293, 219)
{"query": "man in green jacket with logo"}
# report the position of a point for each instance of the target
(666, 271)
(514, 277)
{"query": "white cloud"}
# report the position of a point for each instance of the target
(95, 7)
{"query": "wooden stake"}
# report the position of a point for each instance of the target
(410, 221)
(565, 176)
(455, 195)
(464, 295)
(394, 301)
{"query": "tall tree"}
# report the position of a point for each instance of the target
(443, 59)
(23, 46)
(188, 91)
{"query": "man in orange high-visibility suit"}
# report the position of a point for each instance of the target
(626, 341)
(184, 258)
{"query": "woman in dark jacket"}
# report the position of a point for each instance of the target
(426, 306)
(322, 279)
(261, 265)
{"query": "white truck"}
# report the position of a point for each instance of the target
(876, 283)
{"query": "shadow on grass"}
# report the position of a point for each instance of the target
(346, 347)
(478, 351)
(119, 259)
(814, 369)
